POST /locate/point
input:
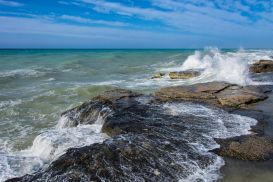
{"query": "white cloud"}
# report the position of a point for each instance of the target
(10, 3)
(220, 17)
(90, 21)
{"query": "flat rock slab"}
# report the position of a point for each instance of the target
(216, 93)
(262, 66)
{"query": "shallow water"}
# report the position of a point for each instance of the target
(36, 86)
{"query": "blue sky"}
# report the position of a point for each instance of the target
(136, 23)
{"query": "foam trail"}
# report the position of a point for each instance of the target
(216, 124)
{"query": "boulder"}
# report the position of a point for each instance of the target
(262, 66)
(253, 148)
(184, 74)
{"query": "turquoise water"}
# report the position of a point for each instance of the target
(36, 86)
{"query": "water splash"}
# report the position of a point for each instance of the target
(48, 146)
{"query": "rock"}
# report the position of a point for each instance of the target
(240, 96)
(184, 74)
(102, 105)
(158, 75)
(215, 93)
(253, 148)
(262, 66)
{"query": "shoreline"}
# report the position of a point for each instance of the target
(236, 170)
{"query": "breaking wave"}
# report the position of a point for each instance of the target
(214, 65)
(49, 145)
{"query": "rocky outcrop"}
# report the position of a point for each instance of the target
(253, 148)
(150, 142)
(216, 93)
(147, 144)
(262, 66)
(184, 74)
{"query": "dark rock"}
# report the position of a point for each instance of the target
(253, 148)
(184, 74)
(262, 66)
(102, 105)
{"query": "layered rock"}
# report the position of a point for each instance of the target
(184, 74)
(216, 93)
(262, 66)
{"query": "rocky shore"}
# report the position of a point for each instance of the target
(149, 144)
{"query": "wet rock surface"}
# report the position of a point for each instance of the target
(252, 148)
(184, 74)
(262, 66)
(159, 141)
(217, 93)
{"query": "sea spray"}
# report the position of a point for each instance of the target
(217, 66)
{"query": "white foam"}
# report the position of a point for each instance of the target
(232, 67)
(49, 145)
(9, 103)
(22, 73)
(218, 124)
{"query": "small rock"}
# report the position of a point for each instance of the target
(262, 66)
(156, 172)
(158, 75)
(184, 74)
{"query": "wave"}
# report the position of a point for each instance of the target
(215, 65)
(49, 145)
(22, 73)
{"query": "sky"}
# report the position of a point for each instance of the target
(136, 23)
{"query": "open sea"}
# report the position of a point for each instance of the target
(36, 86)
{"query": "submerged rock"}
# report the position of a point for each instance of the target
(216, 93)
(262, 66)
(184, 74)
(158, 75)
(253, 148)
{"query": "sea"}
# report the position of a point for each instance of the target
(36, 86)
